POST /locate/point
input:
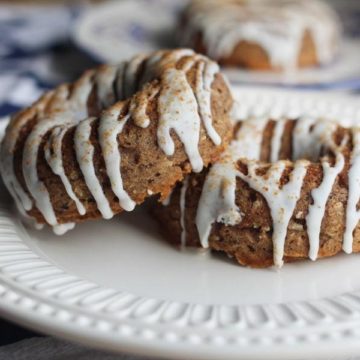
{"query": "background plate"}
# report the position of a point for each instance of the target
(117, 285)
(115, 31)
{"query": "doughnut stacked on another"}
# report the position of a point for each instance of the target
(116, 136)
(262, 34)
(284, 190)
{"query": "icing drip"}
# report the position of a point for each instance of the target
(182, 211)
(129, 77)
(80, 94)
(30, 156)
(352, 213)
(167, 200)
(61, 229)
(138, 107)
(276, 140)
(277, 27)
(84, 154)
(178, 111)
(304, 145)
(204, 78)
(281, 200)
(310, 136)
(54, 159)
(58, 101)
(23, 201)
(217, 201)
(104, 80)
(109, 129)
(320, 196)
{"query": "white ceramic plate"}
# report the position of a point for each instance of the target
(117, 285)
(115, 31)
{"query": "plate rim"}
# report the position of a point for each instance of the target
(39, 294)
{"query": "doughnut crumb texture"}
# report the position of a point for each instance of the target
(119, 134)
(284, 190)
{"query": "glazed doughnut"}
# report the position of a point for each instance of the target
(261, 34)
(284, 190)
(116, 136)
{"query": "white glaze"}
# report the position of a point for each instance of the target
(103, 80)
(167, 200)
(67, 106)
(84, 154)
(217, 201)
(109, 129)
(310, 136)
(320, 196)
(23, 201)
(182, 211)
(304, 145)
(178, 111)
(35, 186)
(281, 201)
(130, 73)
(55, 162)
(276, 140)
(139, 104)
(352, 213)
(278, 27)
(58, 102)
(61, 229)
(204, 77)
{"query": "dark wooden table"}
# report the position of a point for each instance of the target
(10, 333)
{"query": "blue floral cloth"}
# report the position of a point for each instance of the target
(36, 52)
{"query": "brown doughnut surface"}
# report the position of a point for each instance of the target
(250, 241)
(131, 93)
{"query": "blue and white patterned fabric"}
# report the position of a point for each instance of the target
(35, 52)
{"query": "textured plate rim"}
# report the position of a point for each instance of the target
(38, 294)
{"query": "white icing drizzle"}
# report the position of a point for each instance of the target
(304, 145)
(138, 107)
(217, 201)
(84, 154)
(352, 213)
(276, 140)
(278, 27)
(67, 106)
(281, 201)
(178, 111)
(130, 73)
(55, 162)
(58, 102)
(109, 129)
(104, 79)
(182, 211)
(309, 137)
(61, 229)
(23, 201)
(30, 156)
(320, 196)
(167, 200)
(204, 77)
